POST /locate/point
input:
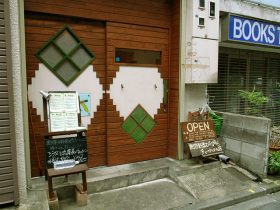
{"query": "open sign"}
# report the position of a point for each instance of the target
(198, 130)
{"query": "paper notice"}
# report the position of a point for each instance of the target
(70, 102)
(57, 122)
(56, 102)
(71, 121)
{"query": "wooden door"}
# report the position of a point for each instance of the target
(40, 29)
(140, 134)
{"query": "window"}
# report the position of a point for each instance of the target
(137, 56)
(212, 9)
(201, 21)
(246, 70)
(65, 55)
(201, 3)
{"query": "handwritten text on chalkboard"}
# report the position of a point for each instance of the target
(65, 149)
(205, 147)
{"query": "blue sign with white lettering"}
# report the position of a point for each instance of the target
(253, 31)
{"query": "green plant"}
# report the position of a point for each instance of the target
(274, 161)
(255, 100)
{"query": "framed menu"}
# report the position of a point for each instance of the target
(63, 111)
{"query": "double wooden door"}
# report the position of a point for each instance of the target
(112, 137)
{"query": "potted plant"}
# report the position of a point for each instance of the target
(255, 100)
(273, 163)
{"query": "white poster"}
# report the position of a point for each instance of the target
(56, 102)
(63, 111)
(57, 121)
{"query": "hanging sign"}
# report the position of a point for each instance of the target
(243, 29)
(198, 130)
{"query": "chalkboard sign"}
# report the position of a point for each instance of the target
(65, 149)
(198, 130)
(205, 148)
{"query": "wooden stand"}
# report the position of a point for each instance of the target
(66, 140)
(199, 137)
(82, 168)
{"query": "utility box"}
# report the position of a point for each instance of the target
(202, 41)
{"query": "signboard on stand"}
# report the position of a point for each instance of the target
(201, 138)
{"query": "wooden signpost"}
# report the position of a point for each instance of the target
(65, 139)
(201, 138)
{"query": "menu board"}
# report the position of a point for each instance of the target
(63, 111)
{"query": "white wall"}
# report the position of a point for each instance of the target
(137, 85)
(87, 82)
(250, 9)
(195, 97)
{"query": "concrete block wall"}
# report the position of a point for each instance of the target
(246, 141)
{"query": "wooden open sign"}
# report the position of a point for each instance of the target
(198, 130)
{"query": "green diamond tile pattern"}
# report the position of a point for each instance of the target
(148, 123)
(139, 114)
(139, 124)
(65, 55)
(129, 125)
(139, 135)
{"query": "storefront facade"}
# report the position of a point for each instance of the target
(248, 60)
(130, 58)
(121, 54)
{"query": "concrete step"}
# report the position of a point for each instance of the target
(108, 178)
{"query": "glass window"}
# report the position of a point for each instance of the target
(137, 56)
(247, 71)
(202, 3)
(65, 55)
(212, 9)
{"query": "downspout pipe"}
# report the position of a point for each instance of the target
(182, 89)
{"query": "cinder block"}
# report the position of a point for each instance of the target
(81, 196)
(256, 166)
(233, 145)
(260, 124)
(232, 132)
(255, 137)
(54, 204)
(233, 120)
(254, 151)
(234, 156)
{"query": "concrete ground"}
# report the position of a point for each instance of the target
(266, 202)
(157, 184)
(158, 194)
